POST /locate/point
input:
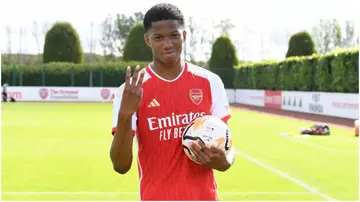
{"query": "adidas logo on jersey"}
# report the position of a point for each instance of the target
(154, 103)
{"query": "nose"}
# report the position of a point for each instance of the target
(168, 43)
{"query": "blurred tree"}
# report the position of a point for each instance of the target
(225, 26)
(350, 39)
(301, 44)
(135, 48)
(223, 54)
(107, 40)
(123, 25)
(194, 30)
(62, 44)
(327, 35)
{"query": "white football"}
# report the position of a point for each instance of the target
(210, 131)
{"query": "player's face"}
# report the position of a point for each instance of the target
(165, 38)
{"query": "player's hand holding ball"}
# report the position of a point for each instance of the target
(207, 140)
(211, 157)
(132, 95)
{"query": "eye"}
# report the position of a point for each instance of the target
(157, 38)
(176, 35)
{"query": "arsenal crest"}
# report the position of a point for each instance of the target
(43, 92)
(196, 96)
(105, 93)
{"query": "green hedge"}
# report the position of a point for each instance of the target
(334, 72)
(226, 74)
(68, 74)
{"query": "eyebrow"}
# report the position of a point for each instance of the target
(176, 31)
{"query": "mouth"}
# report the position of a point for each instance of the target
(170, 53)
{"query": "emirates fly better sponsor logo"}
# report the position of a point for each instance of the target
(171, 127)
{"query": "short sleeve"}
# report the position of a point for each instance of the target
(116, 108)
(220, 103)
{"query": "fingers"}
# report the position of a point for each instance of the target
(200, 156)
(217, 153)
(135, 76)
(197, 154)
(141, 78)
(214, 149)
(206, 150)
(136, 80)
(127, 77)
(212, 152)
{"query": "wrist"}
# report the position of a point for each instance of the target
(124, 117)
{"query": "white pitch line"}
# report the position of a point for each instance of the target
(286, 176)
(70, 193)
(314, 145)
(136, 193)
(266, 193)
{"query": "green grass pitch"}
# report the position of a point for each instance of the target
(60, 151)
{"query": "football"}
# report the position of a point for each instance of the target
(206, 131)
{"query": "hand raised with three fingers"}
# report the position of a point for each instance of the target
(132, 95)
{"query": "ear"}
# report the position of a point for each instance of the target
(184, 35)
(147, 40)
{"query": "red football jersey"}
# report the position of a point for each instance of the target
(165, 172)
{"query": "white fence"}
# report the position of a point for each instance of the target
(344, 105)
(61, 94)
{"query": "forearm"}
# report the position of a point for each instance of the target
(121, 148)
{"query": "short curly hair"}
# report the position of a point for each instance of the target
(163, 11)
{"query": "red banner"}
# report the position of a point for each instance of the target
(273, 99)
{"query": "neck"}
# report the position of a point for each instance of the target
(167, 71)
